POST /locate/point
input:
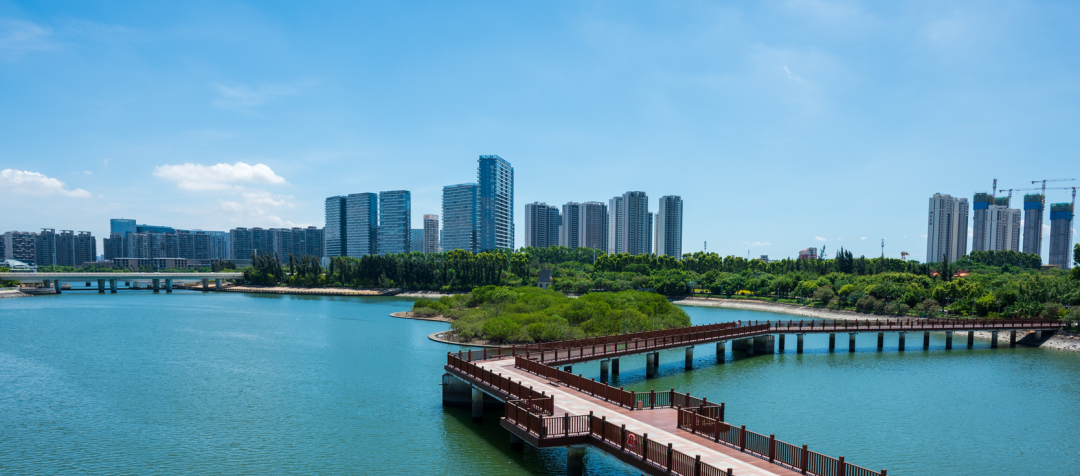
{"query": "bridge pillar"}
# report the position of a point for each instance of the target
(101, 286)
(880, 340)
(604, 365)
(798, 343)
(615, 367)
(832, 341)
(477, 404)
(168, 285)
(1038, 335)
(903, 337)
(112, 286)
(516, 442)
(765, 344)
(851, 342)
(948, 340)
(781, 343)
(721, 352)
(749, 347)
(1012, 333)
(971, 339)
(46, 283)
(217, 284)
(993, 339)
(156, 283)
(575, 460)
(689, 358)
(926, 340)
(205, 284)
(88, 284)
(57, 285)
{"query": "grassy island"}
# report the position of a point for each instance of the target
(527, 314)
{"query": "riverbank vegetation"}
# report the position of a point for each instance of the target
(510, 315)
(983, 284)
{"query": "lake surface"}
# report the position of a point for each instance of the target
(231, 383)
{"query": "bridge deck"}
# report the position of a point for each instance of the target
(659, 424)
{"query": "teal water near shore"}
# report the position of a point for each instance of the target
(233, 383)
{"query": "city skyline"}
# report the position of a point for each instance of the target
(814, 99)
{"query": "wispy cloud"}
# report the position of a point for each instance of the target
(820, 238)
(33, 183)
(245, 98)
(219, 176)
(17, 37)
(757, 243)
(259, 207)
(863, 238)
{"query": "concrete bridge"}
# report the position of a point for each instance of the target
(661, 432)
(54, 279)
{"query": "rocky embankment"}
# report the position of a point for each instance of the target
(12, 293)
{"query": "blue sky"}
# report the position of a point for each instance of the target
(782, 124)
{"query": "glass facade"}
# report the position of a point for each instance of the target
(335, 236)
(362, 224)
(121, 226)
(496, 180)
(461, 213)
(395, 221)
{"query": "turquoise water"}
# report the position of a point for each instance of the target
(230, 383)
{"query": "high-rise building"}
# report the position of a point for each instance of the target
(594, 225)
(416, 240)
(84, 248)
(20, 245)
(45, 247)
(335, 234)
(570, 223)
(541, 225)
(395, 221)
(121, 226)
(615, 225)
(431, 234)
(496, 179)
(980, 240)
(650, 228)
(669, 223)
(1061, 217)
(1004, 228)
(461, 217)
(946, 234)
(635, 223)
(1033, 223)
(362, 224)
(65, 248)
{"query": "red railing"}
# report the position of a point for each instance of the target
(502, 384)
(768, 447)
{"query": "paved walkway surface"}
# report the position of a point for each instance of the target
(660, 424)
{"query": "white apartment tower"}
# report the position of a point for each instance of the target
(431, 234)
(946, 234)
(669, 221)
(615, 214)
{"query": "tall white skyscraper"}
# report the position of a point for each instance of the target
(495, 177)
(570, 225)
(431, 234)
(1004, 228)
(615, 213)
(946, 234)
(635, 223)
(669, 222)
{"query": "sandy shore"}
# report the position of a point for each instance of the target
(309, 291)
(448, 337)
(411, 315)
(424, 294)
(781, 308)
(12, 293)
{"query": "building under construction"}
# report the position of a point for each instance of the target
(996, 226)
(1061, 217)
(1033, 221)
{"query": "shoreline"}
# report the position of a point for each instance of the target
(13, 293)
(781, 308)
(410, 315)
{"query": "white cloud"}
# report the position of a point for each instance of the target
(863, 238)
(757, 243)
(820, 238)
(257, 208)
(217, 177)
(924, 236)
(33, 183)
(105, 161)
(19, 36)
(87, 172)
(243, 98)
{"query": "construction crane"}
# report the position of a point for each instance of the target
(904, 255)
(1043, 203)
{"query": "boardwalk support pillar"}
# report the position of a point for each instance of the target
(112, 286)
(749, 347)
(575, 460)
(926, 340)
(781, 343)
(651, 364)
(168, 285)
(798, 343)
(689, 358)
(1038, 335)
(568, 369)
(516, 442)
(971, 339)
(156, 283)
(851, 342)
(832, 341)
(477, 404)
(101, 286)
(880, 340)
(903, 337)
(1012, 337)
(721, 352)
(993, 339)
(948, 340)
(615, 367)
(604, 366)
(765, 344)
